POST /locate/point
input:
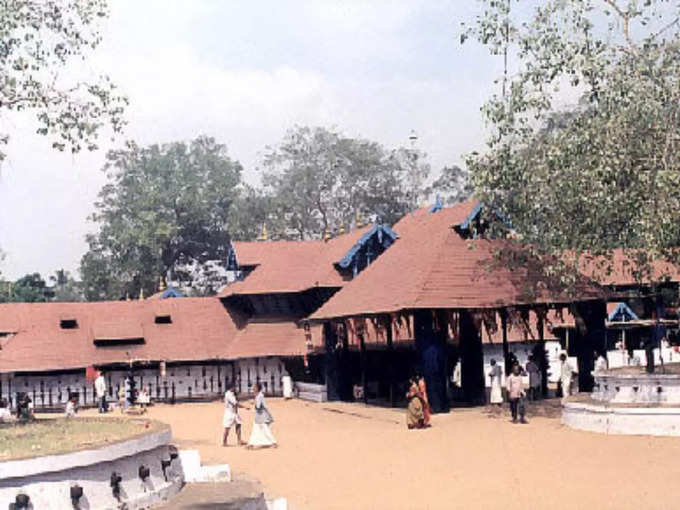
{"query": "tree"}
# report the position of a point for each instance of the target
(318, 179)
(65, 288)
(454, 184)
(603, 173)
(30, 288)
(164, 214)
(39, 41)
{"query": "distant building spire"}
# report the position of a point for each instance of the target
(263, 235)
(141, 293)
(359, 220)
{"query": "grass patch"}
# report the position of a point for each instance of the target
(50, 436)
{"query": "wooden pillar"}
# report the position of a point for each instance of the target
(542, 362)
(233, 378)
(390, 358)
(506, 348)
(364, 376)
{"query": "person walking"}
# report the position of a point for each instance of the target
(261, 436)
(427, 410)
(415, 417)
(231, 417)
(100, 390)
(496, 395)
(515, 387)
(566, 374)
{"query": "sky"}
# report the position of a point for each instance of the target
(244, 73)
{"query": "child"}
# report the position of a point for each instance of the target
(71, 408)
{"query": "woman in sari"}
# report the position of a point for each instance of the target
(261, 435)
(415, 417)
(427, 410)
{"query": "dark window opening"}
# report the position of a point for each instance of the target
(69, 324)
(163, 319)
(117, 341)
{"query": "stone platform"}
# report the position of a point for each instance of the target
(628, 401)
(47, 480)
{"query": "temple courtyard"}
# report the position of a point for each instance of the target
(342, 456)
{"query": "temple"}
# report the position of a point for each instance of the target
(349, 317)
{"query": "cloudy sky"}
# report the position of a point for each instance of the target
(244, 72)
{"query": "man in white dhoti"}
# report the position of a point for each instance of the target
(261, 435)
(287, 383)
(100, 390)
(496, 396)
(231, 417)
(566, 374)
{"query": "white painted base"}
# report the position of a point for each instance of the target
(195, 472)
(651, 421)
(313, 392)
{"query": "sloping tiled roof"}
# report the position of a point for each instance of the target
(431, 266)
(201, 329)
(619, 269)
(291, 266)
(271, 337)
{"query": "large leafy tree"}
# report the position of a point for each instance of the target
(318, 179)
(164, 214)
(604, 172)
(42, 45)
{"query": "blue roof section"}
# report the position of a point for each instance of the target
(438, 206)
(624, 314)
(471, 217)
(171, 292)
(379, 230)
(232, 261)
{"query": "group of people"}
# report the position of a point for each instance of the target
(261, 435)
(418, 412)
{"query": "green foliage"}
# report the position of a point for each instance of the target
(39, 41)
(164, 213)
(30, 288)
(65, 288)
(601, 174)
(318, 179)
(453, 184)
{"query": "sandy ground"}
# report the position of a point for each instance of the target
(349, 456)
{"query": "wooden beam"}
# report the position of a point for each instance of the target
(390, 358)
(506, 348)
(542, 363)
(364, 379)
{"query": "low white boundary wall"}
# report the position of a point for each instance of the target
(651, 421)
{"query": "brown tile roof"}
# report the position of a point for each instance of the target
(201, 329)
(291, 266)
(271, 337)
(620, 268)
(431, 266)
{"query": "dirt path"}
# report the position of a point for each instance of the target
(347, 456)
